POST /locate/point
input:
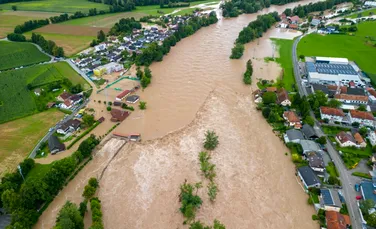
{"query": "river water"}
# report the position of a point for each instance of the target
(195, 88)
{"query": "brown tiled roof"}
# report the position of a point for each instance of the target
(352, 97)
(282, 95)
(272, 89)
(345, 137)
(358, 138)
(291, 116)
(371, 91)
(361, 114)
(343, 89)
(119, 115)
(65, 95)
(123, 94)
(335, 220)
(332, 111)
(332, 87)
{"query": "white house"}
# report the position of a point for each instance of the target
(316, 162)
(308, 177)
(372, 137)
(362, 117)
(292, 119)
(370, 3)
(329, 200)
(69, 126)
(100, 47)
(283, 97)
(353, 99)
(345, 139)
(332, 114)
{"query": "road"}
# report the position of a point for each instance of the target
(348, 181)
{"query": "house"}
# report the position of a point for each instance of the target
(37, 91)
(132, 99)
(271, 89)
(345, 139)
(108, 69)
(372, 138)
(122, 95)
(368, 190)
(332, 114)
(283, 97)
(308, 132)
(359, 140)
(50, 105)
(293, 26)
(352, 99)
(309, 146)
(101, 119)
(316, 161)
(69, 126)
(315, 22)
(100, 47)
(308, 177)
(63, 96)
(54, 145)
(335, 220)
(292, 119)
(293, 135)
(295, 19)
(329, 200)
(118, 115)
(362, 117)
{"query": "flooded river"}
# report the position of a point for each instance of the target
(197, 87)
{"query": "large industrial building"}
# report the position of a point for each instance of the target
(328, 70)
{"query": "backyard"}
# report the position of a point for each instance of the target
(285, 60)
(16, 54)
(17, 144)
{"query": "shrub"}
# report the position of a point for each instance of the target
(142, 105)
(212, 191)
(190, 202)
(315, 217)
(109, 108)
(206, 167)
(211, 140)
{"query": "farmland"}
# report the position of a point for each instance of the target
(14, 54)
(17, 101)
(66, 6)
(106, 20)
(363, 14)
(18, 137)
(9, 19)
(284, 59)
(362, 51)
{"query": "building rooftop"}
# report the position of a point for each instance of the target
(332, 111)
(316, 160)
(308, 175)
(336, 220)
(308, 131)
(355, 91)
(345, 137)
(123, 94)
(330, 197)
(362, 98)
(291, 116)
(358, 138)
(310, 146)
(294, 134)
(71, 123)
(333, 69)
(368, 190)
(332, 59)
(361, 114)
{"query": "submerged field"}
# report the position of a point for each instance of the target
(357, 47)
(16, 54)
(18, 138)
(16, 100)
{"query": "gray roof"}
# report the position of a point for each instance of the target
(333, 69)
(308, 176)
(315, 22)
(54, 143)
(355, 91)
(316, 160)
(320, 87)
(368, 190)
(330, 197)
(294, 134)
(308, 131)
(132, 98)
(309, 145)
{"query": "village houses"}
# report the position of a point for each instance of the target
(362, 117)
(332, 114)
(292, 119)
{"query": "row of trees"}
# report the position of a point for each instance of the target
(69, 217)
(24, 200)
(48, 46)
(247, 77)
(154, 52)
(145, 77)
(96, 214)
(16, 37)
(30, 25)
(303, 11)
(125, 26)
(254, 30)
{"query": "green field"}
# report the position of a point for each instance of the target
(356, 47)
(105, 20)
(66, 6)
(364, 13)
(16, 54)
(16, 101)
(285, 60)
(39, 171)
(18, 137)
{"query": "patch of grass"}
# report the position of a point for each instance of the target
(351, 156)
(333, 130)
(268, 59)
(285, 60)
(16, 54)
(332, 170)
(39, 171)
(363, 175)
(363, 14)
(185, 11)
(105, 20)
(361, 51)
(315, 198)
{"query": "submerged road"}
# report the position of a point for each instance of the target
(348, 181)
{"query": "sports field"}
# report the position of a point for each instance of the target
(18, 137)
(16, 101)
(66, 6)
(9, 19)
(364, 13)
(106, 20)
(16, 54)
(357, 47)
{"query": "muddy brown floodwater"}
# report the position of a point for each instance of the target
(195, 88)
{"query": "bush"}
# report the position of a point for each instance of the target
(237, 51)
(206, 167)
(190, 202)
(211, 140)
(315, 217)
(109, 108)
(142, 105)
(212, 191)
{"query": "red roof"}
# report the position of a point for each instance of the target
(335, 220)
(67, 103)
(362, 98)
(371, 91)
(123, 94)
(295, 18)
(291, 116)
(282, 95)
(332, 111)
(361, 114)
(345, 137)
(119, 115)
(293, 26)
(65, 95)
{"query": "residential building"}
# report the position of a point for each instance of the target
(315, 22)
(100, 47)
(372, 138)
(368, 190)
(335, 220)
(308, 132)
(293, 135)
(122, 95)
(332, 114)
(292, 119)
(69, 126)
(118, 115)
(63, 96)
(362, 117)
(345, 139)
(308, 177)
(370, 3)
(309, 146)
(359, 140)
(329, 200)
(328, 70)
(54, 145)
(132, 99)
(37, 91)
(352, 99)
(108, 69)
(283, 97)
(316, 161)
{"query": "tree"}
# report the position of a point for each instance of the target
(10, 200)
(93, 43)
(266, 111)
(363, 131)
(269, 97)
(273, 117)
(310, 18)
(366, 205)
(321, 140)
(142, 105)
(309, 120)
(334, 103)
(93, 182)
(190, 202)
(69, 217)
(139, 72)
(247, 77)
(237, 51)
(218, 225)
(101, 36)
(27, 165)
(211, 140)
(88, 120)
(14, 8)
(147, 72)
(362, 107)
(371, 220)
(145, 81)
(89, 192)
(109, 108)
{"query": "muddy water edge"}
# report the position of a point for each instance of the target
(197, 87)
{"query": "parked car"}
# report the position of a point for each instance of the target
(358, 197)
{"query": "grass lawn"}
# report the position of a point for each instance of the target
(66, 6)
(16, 54)
(333, 130)
(39, 171)
(355, 47)
(362, 175)
(332, 170)
(352, 156)
(184, 11)
(364, 13)
(285, 60)
(315, 198)
(106, 20)
(18, 137)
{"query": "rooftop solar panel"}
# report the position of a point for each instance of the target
(311, 67)
(327, 197)
(333, 69)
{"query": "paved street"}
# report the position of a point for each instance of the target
(348, 181)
